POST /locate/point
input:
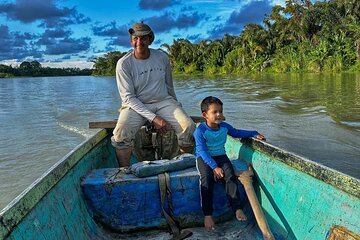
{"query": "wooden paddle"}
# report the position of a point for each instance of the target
(245, 178)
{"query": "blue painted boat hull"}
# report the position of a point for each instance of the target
(126, 202)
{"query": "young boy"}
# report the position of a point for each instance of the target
(211, 160)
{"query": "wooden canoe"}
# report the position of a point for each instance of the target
(301, 199)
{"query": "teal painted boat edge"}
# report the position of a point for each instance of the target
(62, 213)
(16, 210)
(297, 204)
(328, 175)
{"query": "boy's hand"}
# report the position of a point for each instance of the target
(218, 173)
(260, 137)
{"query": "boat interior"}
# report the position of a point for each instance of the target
(300, 199)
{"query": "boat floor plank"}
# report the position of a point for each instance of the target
(227, 230)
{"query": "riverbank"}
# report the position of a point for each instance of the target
(34, 69)
(271, 66)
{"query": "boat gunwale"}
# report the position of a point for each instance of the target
(342, 181)
(19, 207)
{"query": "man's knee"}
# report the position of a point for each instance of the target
(190, 125)
(123, 135)
(121, 144)
(129, 122)
(186, 138)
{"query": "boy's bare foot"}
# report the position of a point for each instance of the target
(240, 215)
(209, 223)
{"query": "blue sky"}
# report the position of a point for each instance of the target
(69, 33)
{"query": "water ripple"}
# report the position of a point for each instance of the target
(42, 119)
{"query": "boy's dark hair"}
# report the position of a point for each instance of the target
(206, 102)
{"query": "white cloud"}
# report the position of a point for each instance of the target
(64, 64)
(68, 64)
(13, 62)
(279, 2)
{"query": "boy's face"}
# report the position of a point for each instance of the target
(214, 115)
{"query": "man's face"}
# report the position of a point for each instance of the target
(140, 44)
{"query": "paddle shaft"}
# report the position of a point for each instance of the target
(245, 178)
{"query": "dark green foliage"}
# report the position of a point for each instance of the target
(300, 37)
(34, 69)
(105, 66)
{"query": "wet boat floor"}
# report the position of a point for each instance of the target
(234, 229)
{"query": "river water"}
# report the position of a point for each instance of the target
(313, 115)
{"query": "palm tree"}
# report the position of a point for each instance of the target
(254, 39)
(216, 53)
(173, 50)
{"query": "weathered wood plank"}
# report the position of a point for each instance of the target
(103, 124)
(112, 123)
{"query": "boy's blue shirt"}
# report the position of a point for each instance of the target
(211, 142)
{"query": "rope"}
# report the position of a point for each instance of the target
(120, 172)
(164, 185)
(159, 151)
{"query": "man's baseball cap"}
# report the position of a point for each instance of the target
(140, 29)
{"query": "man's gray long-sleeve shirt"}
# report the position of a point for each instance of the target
(145, 81)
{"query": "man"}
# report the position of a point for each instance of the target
(146, 89)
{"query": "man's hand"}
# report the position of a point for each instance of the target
(161, 125)
(218, 173)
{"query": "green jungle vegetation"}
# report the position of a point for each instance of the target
(34, 69)
(300, 37)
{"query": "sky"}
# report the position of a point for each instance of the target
(71, 33)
